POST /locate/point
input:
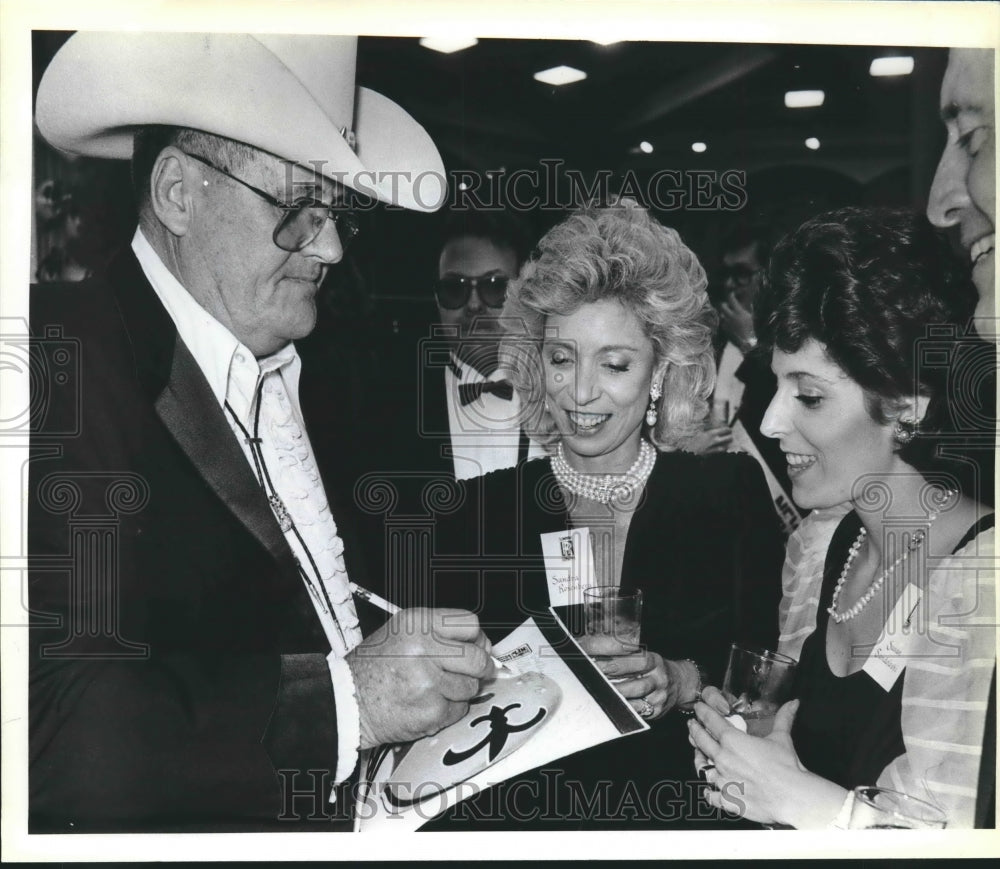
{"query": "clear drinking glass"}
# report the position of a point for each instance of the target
(612, 616)
(757, 682)
(876, 808)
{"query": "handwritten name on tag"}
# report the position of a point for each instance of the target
(887, 659)
(569, 565)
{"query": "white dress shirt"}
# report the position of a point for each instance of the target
(234, 376)
(728, 387)
(485, 434)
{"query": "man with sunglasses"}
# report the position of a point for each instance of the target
(735, 285)
(745, 383)
(471, 399)
(197, 660)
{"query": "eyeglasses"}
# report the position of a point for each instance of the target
(454, 291)
(740, 274)
(302, 220)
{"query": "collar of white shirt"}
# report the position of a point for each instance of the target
(230, 368)
(486, 434)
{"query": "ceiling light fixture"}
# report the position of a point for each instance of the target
(560, 75)
(646, 147)
(448, 44)
(803, 99)
(812, 143)
(882, 66)
(699, 147)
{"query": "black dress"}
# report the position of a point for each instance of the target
(704, 545)
(847, 728)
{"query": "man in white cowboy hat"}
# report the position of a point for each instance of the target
(197, 658)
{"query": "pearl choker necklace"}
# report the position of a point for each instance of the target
(915, 542)
(603, 488)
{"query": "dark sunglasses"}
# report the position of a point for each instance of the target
(454, 291)
(740, 274)
(301, 221)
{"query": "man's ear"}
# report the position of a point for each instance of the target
(171, 185)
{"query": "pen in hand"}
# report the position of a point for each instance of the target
(391, 608)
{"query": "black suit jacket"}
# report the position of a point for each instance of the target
(178, 677)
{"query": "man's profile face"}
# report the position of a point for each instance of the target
(475, 258)
(964, 190)
(264, 295)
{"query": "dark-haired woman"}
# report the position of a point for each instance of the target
(889, 601)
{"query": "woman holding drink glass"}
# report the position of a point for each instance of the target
(610, 347)
(889, 599)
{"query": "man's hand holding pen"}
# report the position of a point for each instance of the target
(416, 674)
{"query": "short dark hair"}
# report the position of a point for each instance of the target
(746, 233)
(868, 284)
(500, 228)
(150, 141)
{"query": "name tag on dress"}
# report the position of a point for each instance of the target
(887, 659)
(569, 565)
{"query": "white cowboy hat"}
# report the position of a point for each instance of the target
(292, 96)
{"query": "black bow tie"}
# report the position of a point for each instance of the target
(469, 392)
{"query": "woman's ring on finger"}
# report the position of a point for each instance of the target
(646, 709)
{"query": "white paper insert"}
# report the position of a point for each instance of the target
(887, 659)
(569, 565)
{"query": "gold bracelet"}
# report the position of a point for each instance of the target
(688, 708)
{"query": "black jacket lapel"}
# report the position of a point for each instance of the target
(185, 403)
(190, 411)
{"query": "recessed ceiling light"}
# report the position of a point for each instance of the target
(463, 185)
(891, 66)
(812, 143)
(646, 147)
(448, 44)
(699, 147)
(559, 75)
(803, 99)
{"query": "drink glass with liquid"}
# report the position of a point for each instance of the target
(757, 682)
(611, 617)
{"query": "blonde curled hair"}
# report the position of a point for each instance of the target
(616, 252)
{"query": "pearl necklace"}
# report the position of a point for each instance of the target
(915, 542)
(605, 487)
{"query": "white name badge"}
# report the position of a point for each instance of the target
(569, 565)
(887, 659)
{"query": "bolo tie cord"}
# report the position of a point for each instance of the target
(267, 487)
